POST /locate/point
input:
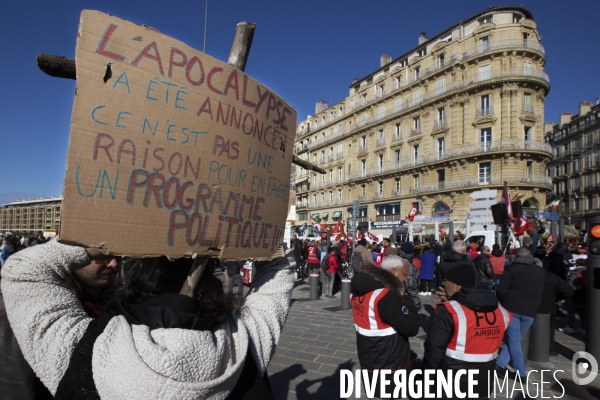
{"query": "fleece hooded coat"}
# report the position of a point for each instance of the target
(132, 361)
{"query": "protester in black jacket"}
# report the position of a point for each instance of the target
(456, 257)
(556, 263)
(477, 306)
(520, 292)
(554, 289)
(484, 269)
(381, 289)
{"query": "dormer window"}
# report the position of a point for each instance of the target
(486, 20)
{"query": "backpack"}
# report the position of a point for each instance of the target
(540, 227)
(325, 262)
(356, 261)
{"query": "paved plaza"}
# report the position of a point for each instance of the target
(319, 340)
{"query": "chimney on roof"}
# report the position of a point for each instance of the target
(584, 108)
(565, 118)
(549, 127)
(320, 106)
(597, 100)
(385, 59)
(422, 38)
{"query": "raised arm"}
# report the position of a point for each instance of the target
(47, 319)
(266, 308)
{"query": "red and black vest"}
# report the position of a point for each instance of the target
(312, 256)
(477, 335)
(378, 345)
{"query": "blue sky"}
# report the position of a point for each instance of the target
(304, 50)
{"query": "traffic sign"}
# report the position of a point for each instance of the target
(479, 214)
(482, 204)
(484, 194)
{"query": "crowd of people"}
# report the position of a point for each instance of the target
(13, 243)
(488, 297)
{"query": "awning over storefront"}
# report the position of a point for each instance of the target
(337, 214)
(326, 215)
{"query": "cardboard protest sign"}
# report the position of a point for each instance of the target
(171, 151)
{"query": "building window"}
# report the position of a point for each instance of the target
(530, 169)
(417, 72)
(397, 157)
(380, 163)
(330, 197)
(485, 105)
(517, 18)
(528, 134)
(363, 143)
(363, 190)
(484, 43)
(527, 107)
(441, 178)
(330, 175)
(416, 152)
(488, 19)
(364, 98)
(441, 147)
(525, 39)
(416, 97)
(322, 197)
(415, 181)
(397, 105)
(381, 90)
(351, 103)
(398, 131)
(485, 139)
(340, 195)
(441, 60)
(423, 52)
(441, 116)
(380, 112)
(363, 167)
(485, 72)
(527, 68)
(340, 173)
(398, 81)
(380, 188)
(397, 186)
(416, 125)
(440, 87)
(380, 137)
(363, 119)
(485, 172)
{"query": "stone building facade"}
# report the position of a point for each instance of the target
(461, 112)
(31, 215)
(575, 165)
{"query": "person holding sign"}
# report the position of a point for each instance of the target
(154, 341)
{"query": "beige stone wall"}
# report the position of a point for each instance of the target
(470, 70)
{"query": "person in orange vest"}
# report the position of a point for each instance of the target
(466, 330)
(384, 317)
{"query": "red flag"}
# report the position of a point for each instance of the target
(412, 213)
(521, 226)
(443, 232)
(317, 228)
(359, 234)
(372, 237)
(506, 200)
(551, 237)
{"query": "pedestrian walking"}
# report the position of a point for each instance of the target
(520, 292)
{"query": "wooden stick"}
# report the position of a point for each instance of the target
(57, 66)
(307, 165)
(240, 49)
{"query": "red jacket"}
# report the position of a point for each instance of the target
(332, 262)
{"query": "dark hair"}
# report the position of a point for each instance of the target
(151, 277)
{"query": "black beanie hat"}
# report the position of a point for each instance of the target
(463, 275)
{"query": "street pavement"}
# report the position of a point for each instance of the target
(319, 340)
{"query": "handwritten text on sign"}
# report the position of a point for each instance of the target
(172, 151)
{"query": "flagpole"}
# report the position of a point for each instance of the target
(205, 24)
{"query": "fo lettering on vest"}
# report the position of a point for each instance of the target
(365, 310)
(477, 335)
